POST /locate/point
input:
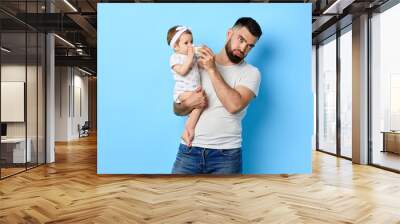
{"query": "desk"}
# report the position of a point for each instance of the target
(391, 141)
(15, 148)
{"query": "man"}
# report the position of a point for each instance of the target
(229, 84)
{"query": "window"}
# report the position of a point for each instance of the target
(346, 93)
(385, 85)
(327, 96)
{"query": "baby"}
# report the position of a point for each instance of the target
(186, 73)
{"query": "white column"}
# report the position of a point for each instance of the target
(50, 92)
(50, 110)
(360, 90)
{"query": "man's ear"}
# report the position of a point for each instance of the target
(229, 33)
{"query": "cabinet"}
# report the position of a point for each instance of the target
(391, 141)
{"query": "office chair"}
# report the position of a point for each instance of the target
(84, 130)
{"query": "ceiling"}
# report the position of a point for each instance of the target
(76, 22)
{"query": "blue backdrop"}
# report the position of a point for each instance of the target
(137, 130)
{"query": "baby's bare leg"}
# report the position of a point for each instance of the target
(193, 118)
(188, 133)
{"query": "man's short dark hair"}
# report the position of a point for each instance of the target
(250, 24)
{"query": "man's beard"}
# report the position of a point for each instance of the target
(232, 57)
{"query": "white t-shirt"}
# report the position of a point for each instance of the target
(217, 128)
(190, 81)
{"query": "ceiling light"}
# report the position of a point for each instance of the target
(70, 5)
(5, 49)
(64, 40)
(84, 71)
(338, 6)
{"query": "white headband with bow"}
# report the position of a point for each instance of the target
(180, 29)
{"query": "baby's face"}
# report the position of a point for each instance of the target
(185, 41)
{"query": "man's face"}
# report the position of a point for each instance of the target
(239, 44)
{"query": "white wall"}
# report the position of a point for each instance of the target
(80, 84)
(33, 127)
(62, 81)
(70, 84)
(15, 72)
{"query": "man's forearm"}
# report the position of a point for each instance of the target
(228, 96)
(189, 101)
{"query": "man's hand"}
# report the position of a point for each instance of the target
(196, 99)
(207, 59)
(233, 99)
(191, 100)
(187, 136)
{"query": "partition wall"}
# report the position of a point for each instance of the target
(22, 77)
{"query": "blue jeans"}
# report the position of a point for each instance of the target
(196, 160)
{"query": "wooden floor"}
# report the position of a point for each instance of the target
(5, 172)
(70, 191)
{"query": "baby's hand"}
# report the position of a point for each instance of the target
(191, 51)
